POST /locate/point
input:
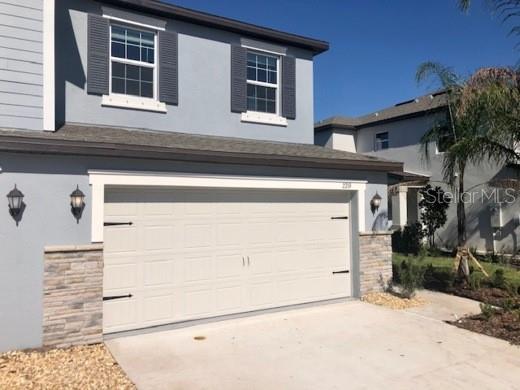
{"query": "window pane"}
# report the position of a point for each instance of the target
(147, 55)
(251, 73)
(261, 92)
(147, 74)
(271, 93)
(147, 39)
(251, 104)
(271, 63)
(133, 53)
(118, 34)
(118, 85)
(271, 107)
(118, 69)
(147, 90)
(260, 105)
(262, 62)
(272, 77)
(132, 87)
(262, 75)
(133, 37)
(118, 50)
(251, 90)
(132, 72)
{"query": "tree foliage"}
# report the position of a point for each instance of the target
(434, 205)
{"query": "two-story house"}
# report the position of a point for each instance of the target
(492, 210)
(159, 167)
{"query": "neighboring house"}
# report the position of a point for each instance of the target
(395, 133)
(167, 164)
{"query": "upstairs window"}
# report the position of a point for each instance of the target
(262, 83)
(381, 141)
(445, 139)
(132, 62)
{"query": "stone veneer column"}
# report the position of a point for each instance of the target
(73, 295)
(375, 261)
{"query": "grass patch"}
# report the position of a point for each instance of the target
(445, 264)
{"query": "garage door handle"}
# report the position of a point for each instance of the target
(346, 271)
(117, 223)
(112, 297)
(339, 217)
(248, 261)
(243, 261)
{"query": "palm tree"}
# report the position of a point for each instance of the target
(455, 132)
(507, 10)
(483, 122)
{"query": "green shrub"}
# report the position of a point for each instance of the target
(438, 278)
(411, 278)
(487, 310)
(475, 280)
(408, 240)
(499, 280)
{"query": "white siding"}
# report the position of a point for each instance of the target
(21, 64)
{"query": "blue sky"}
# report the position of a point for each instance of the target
(376, 45)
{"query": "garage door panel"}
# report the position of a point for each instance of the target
(186, 256)
(120, 276)
(160, 237)
(197, 236)
(229, 266)
(230, 299)
(121, 239)
(157, 273)
(119, 315)
(230, 234)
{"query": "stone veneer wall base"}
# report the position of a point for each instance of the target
(73, 295)
(375, 261)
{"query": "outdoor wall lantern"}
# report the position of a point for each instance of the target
(77, 203)
(375, 202)
(16, 204)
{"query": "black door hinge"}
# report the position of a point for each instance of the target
(340, 272)
(112, 297)
(117, 223)
(339, 217)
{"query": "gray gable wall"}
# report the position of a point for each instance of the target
(204, 84)
(21, 64)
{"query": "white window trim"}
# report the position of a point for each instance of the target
(265, 117)
(100, 179)
(126, 21)
(130, 101)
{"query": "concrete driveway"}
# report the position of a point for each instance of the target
(349, 345)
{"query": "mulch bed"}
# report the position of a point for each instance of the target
(84, 367)
(503, 325)
(492, 296)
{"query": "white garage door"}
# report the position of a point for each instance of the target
(198, 253)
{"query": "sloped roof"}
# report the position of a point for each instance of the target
(119, 142)
(168, 10)
(423, 104)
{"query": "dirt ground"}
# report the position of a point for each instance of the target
(503, 325)
(85, 367)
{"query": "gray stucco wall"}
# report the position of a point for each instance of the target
(204, 84)
(47, 182)
(21, 64)
(404, 140)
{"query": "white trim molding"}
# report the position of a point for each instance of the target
(49, 110)
(133, 102)
(131, 22)
(100, 179)
(264, 118)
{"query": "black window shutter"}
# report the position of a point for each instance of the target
(238, 78)
(168, 67)
(98, 55)
(288, 87)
